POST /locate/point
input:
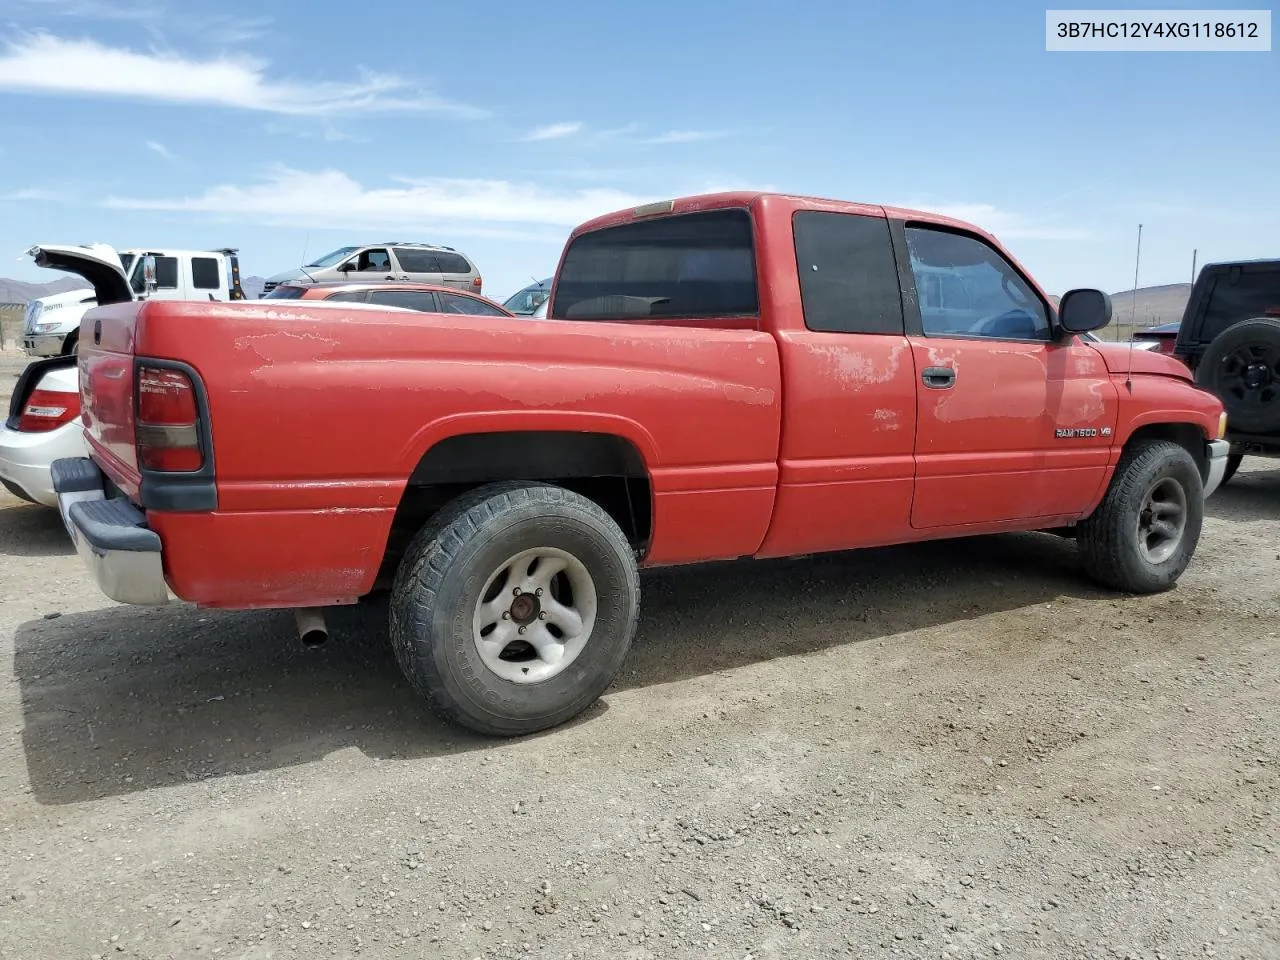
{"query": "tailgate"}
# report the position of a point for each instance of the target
(107, 339)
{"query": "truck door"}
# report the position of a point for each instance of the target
(1013, 422)
(206, 278)
(170, 283)
(846, 462)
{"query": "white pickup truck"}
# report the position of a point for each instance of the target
(52, 323)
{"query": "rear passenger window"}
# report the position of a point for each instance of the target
(848, 275)
(692, 265)
(166, 273)
(205, 274)
(452, 263)
(1239, 294)
(423, 300)
(415, 261)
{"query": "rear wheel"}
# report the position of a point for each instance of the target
(514, 608)
(1144, 533)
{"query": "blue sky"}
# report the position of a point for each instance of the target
(494, 127)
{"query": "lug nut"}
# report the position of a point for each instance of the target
(523, 629)
(506, 614)
(538, 592)
(542, 615)
(515, 592)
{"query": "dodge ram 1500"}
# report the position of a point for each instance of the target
(738, 375)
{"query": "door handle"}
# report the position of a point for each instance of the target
(938, 378)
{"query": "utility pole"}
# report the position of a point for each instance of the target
(1193, 265)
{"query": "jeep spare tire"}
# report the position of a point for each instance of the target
(1242, 368)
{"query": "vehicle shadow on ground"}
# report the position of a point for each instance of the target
(32, 530)
(128, 699)
(1252, 494)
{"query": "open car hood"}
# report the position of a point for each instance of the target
(96, 262)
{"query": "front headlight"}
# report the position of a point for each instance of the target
(45, 327)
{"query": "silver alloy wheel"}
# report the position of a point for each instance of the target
(1162, 520)
(535, 615)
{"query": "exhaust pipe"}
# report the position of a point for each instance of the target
(312, 630)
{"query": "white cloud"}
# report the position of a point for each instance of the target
(155, 18)
(1003, 224)
(161, 149)
(332, 199)
(47, 64)
(685, 136)
(32, 193)
(326, 132)
(628, 134)
(554, 131)
(94, 9)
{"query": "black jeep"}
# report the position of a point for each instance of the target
(1230, 338)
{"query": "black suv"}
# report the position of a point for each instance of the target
(1230, 338)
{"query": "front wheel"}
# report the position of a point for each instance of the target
(1144, 533)
(514, 608)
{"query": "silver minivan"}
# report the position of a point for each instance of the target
(420, 262)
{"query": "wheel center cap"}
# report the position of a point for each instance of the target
(525, 608)
(1256, 375)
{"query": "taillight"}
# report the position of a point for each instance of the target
(477, 282)
(47, 410)
(167, 421)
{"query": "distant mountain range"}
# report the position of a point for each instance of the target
(18, 291)
(1151, 306)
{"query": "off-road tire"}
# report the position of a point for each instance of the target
(1233, 464)
(1108, 539)
(439, 582)
(1251, 408)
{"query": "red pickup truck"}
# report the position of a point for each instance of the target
(738, 375)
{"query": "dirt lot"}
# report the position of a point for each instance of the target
(959, 750)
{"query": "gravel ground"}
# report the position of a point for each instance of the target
(956, 750)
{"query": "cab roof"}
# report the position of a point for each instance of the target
(751, 198)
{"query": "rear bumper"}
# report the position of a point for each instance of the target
(1217, 451)
(25, 459)
(110, 535)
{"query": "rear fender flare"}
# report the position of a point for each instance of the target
(532, 421)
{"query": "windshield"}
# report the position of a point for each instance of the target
(332, 259)
(134, 272)
(526, 301)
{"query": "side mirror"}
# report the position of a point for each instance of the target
(149, 275)
(1084, 310)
